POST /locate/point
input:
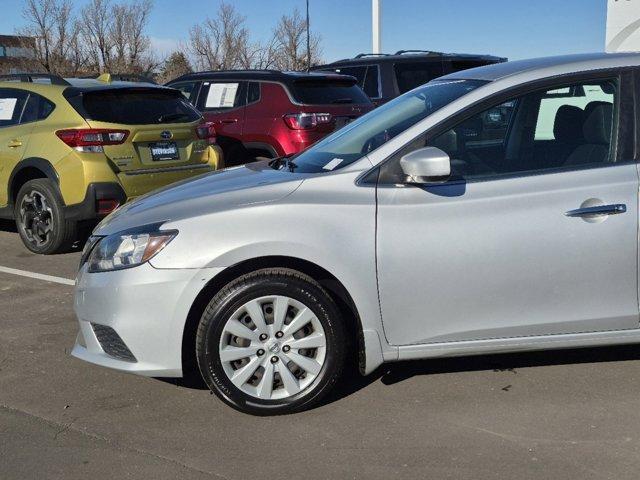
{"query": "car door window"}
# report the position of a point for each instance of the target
(188, 89)
(579, 96)
(253, 92)
(543, 131)
(410, 75)
(371, 84)
(12, 102)
(221, 95)
(37, 108)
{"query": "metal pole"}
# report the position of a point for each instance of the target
(376, 26)
(308, 40)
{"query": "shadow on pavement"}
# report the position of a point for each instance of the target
(393, 373)
(398, 372)
(8, 226)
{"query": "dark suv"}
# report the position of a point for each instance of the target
(266, 113)
(384, 76)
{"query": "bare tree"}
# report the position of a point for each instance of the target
(39, 15)
(97, 22)
(51, 24)
(132, 44)
(258, 56)
(291, 43)
(115, 36)
(218, 43)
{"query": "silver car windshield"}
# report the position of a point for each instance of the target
(374, 129)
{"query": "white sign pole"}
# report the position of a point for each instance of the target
(376, 26)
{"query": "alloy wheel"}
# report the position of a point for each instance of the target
(36, 217)
(272, 347)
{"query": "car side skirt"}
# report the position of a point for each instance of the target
(520, 344)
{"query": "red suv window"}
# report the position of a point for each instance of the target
(222, 95)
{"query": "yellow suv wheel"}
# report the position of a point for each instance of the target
(40, 218)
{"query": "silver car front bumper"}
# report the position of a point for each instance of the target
(133, 319)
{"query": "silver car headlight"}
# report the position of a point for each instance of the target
(125, 250)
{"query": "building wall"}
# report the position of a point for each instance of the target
(17, 54)
(623, 26)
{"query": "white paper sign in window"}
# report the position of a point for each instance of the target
(7, 107)
(221, 95)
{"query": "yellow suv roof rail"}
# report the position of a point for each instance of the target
(32, 77)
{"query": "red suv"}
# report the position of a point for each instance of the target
(266, 113)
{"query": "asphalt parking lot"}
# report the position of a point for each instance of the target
(571, 414)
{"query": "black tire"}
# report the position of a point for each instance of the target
(62, 232)
(272, 281)
(235, 154)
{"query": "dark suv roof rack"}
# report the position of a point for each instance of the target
(30, 77)
(427, 52)
(241, 70)
(361, 55)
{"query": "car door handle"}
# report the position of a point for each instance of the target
(229, 120)
(614, 209)
(14, 144)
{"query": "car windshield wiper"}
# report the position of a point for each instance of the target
(168, 117)
(285, 161)
(342, 100)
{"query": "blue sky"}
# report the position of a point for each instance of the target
(511, 28)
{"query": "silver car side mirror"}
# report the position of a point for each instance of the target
(426, 165)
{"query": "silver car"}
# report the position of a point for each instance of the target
(492, 210)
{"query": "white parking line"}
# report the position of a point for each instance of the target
(38, 276)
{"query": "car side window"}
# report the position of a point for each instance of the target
(544, 131)
(371, 84)
(368, 77)
(221, 95)
(410, 75)
(12, 102)
(253, 92)
(188, 89)
(360, 72)
(37, 108)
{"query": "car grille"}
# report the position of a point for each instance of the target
(111, 343)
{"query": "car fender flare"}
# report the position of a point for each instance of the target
(33, 162)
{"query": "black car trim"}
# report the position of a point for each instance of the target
(33, 162)
(166, 169)
(87, 209)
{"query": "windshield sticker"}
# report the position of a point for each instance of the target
(333, 163)
(7, 107)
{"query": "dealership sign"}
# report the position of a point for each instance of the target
(623, 26)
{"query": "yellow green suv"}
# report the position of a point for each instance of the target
(73, 150)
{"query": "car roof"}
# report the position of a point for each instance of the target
(92, 84)
(264, 75)
(78, 84)
(547, 66)
(409, 56)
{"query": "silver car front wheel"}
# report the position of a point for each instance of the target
(271, 342)
(272, 347)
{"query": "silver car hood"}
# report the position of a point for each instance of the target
(221, 190)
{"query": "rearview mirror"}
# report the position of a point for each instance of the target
(426, 165)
